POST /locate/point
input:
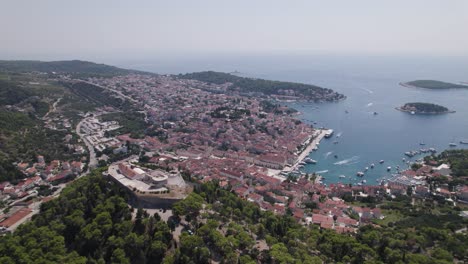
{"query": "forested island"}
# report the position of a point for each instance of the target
(432, 84)
(230, 83)
(424, 108)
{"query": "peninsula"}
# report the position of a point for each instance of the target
(252, 87)
(424, 108)
(432, 84)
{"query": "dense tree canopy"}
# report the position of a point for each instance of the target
(91, 223)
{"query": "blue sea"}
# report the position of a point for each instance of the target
(371, 84)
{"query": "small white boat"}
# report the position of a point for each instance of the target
(366, 168)
(389, 168)
(360, 173)
(310, 161)
(452, 145)
(372, 165)
(381, 161)
(341, 176)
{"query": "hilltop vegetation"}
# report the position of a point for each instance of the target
(424, 108)
(76, 68)
(432, 84)
(91, 223)
(457, 158)
(266, 87)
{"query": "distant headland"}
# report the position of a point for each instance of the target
(432, 84)
(424, 109)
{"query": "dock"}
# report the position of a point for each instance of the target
(316, 138)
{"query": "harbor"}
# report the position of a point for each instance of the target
(313, 144)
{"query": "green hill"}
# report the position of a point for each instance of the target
(75, 67)
(266, 87)
(431, 84)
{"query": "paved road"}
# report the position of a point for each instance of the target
(110, 89)
(92, 154)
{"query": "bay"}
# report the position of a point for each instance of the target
(371, 84)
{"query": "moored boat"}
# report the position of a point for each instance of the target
(329, 133)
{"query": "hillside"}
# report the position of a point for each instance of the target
(91, 223)
(277, 89)
(432, 84)
(76, 68)
(29, 127)
(457, 158)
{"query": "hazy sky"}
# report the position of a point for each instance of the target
(58, 28)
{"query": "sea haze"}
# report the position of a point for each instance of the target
(371, 84)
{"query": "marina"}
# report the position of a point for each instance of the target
(384, 144)
(371, 85)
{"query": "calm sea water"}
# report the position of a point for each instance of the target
(371, 85)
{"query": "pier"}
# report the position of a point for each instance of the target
(318, 135)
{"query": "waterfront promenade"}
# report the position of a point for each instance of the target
(318, 135)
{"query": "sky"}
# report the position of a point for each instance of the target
(56, 29)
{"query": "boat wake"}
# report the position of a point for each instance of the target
(367, 90)
(322, 171)
(369, 104)
(350, 161)
(328, 154)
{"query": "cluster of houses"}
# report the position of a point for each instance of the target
(94, 131)
(192, 132)
(39, 173)
(182, 111)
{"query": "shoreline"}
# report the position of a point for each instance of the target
(316, 138)
(407, 85)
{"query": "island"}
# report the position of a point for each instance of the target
(424, 108)
(432, 84)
